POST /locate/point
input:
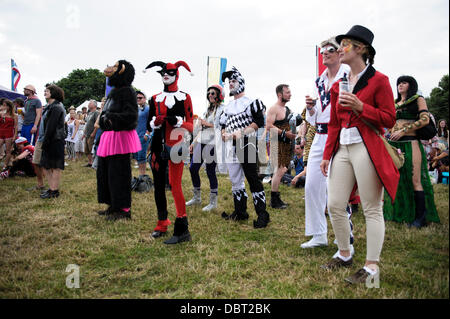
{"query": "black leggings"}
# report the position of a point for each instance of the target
(114, 181)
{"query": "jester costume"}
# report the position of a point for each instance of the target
(241, 154)
(410, 204)
(170, 116)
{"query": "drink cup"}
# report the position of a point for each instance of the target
(345, 86)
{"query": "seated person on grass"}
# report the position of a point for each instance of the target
(300, 173)
(21, 163)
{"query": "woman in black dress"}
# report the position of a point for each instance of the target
(52, 160)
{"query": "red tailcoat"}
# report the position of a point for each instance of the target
(374, 90)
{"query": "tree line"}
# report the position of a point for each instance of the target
(82, 85)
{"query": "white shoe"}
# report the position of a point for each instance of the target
(212, 203)
(352, 252)
(266, 180)
(316, 241)
(196, 200)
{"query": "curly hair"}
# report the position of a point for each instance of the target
(56, 92)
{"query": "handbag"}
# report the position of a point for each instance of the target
(428, 131)
(396, 154)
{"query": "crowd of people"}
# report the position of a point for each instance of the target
(334, 148)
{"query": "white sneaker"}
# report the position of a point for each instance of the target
(352, 252)
(316, 241)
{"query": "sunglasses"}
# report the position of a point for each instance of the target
(327, 49)
(212, 93)
(140, 97)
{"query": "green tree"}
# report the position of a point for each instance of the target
(437, 102)
(82, 85)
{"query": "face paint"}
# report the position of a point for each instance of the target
(168, 79)
(234, 87)
(346, 46)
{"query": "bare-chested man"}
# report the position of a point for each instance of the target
(278, 123)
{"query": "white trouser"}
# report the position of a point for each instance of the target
(315, 189)
(352, 164)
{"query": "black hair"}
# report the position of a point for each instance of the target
(139, 92)
(441, 133)
(412, 89)
(212, 107)
(56, 92)
(19, 101)
(280, 87)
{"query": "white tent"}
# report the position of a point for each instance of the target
(85, 104)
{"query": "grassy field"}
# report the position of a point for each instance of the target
(40, 238)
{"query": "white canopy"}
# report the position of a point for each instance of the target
(85, 104)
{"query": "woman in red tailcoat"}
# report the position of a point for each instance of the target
(358, 154)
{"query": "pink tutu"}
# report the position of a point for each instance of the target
(118, 142)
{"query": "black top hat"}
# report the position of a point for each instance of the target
(359, 33)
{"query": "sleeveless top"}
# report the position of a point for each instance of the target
(70, 130)
(7, 126)
(408, 110)
(279, 123)
(283, 124)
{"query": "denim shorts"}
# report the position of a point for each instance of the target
(141, 156)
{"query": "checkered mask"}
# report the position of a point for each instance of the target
(234, 74)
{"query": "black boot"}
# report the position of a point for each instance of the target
(420, 221)
(106, 212)
(118, 214)
(180, 232)
(276, 202)
(240, 207)
(262, 221)
(235, 216)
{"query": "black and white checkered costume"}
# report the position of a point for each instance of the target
(241, 154)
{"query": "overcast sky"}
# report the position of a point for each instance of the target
(270, 42)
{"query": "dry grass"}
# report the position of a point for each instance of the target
(39, 238)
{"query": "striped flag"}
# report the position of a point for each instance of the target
(319, 62)
(216, 66)
(15, 76)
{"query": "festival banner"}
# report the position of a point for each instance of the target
(216, 66)
(15, 76)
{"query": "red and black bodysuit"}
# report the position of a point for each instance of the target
(170, 117)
